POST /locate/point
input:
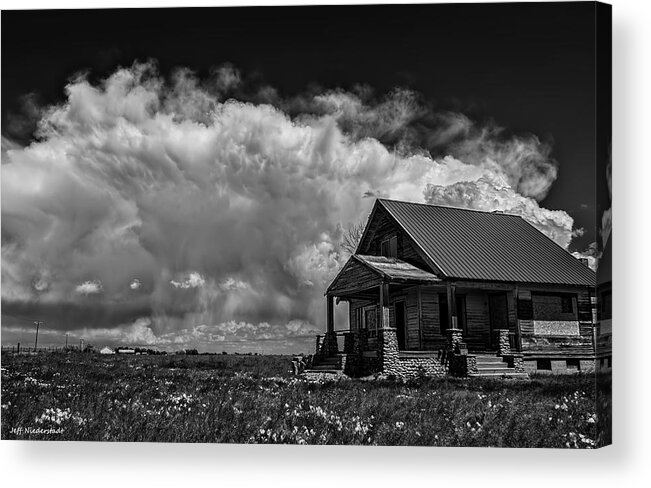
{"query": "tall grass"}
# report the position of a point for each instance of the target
(246, 399)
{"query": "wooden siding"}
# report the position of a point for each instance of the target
(512, 311)
(558, 346)
(430, 319)
(525, 314)
(383, 227)
(354, 277)
(412, 326)
(477, 318)
(584, 305)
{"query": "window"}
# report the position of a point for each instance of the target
(574, 364)
(554, 306)
(389, 247)
(567, 304)
(370, 320)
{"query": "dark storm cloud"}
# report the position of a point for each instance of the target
(171, 213)
(68, 315)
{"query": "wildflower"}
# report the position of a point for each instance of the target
(400, 425)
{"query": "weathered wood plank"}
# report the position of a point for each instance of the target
(381, 228)
(353, 277)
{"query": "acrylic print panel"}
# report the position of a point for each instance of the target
(308, 225)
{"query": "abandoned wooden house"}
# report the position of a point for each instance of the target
(435, 290)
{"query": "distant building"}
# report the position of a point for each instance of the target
(107, 350)
(124, 350)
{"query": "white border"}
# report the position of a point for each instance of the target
(626, 463)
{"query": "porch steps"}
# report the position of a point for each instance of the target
(324, 369)
(493, 366)
(327, 365)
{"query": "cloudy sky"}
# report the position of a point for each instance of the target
(185, 180)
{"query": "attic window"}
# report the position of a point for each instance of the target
(389, 247)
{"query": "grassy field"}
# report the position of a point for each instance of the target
(253, 399)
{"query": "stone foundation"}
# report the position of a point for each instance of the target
(587, 365)
(515, 361)
(471, 364)
(392, 364)
(454, 359)
(502, 340)
(459, 362)
(558, 366)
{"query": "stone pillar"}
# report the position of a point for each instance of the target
(455, 340)
(502, 341)
(330, 346)
(388, 350)
(518, 363)
(471, 364)
(457, 352)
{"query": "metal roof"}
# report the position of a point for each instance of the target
(396, 269)
(474, 245)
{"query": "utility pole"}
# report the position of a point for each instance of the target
(37, 323)
(66, 341)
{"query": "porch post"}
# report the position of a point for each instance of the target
(384, 309)
(330, 345)
(452, 306)
(420, 317)
(386, 336)
(330, 314)
(518, 339)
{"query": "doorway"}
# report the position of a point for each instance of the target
(498, 315)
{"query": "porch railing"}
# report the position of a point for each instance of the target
(340, 338)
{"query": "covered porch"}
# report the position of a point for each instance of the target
(422, 311)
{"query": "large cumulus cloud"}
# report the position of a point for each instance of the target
(165, 211)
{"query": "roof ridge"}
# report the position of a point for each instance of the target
(494, 212)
